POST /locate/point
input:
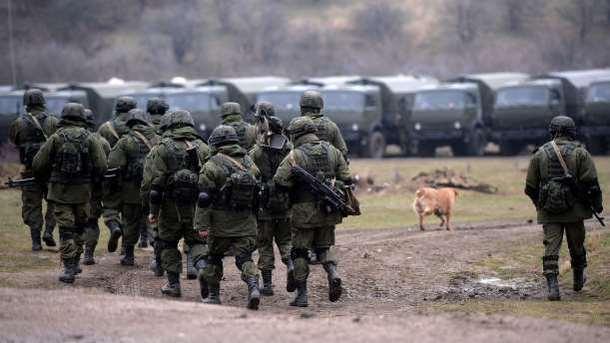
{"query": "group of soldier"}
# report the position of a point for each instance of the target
(149, 174)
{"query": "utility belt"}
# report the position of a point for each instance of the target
(61, 179)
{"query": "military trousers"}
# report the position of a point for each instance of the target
(553, 237)
(31, 208)
(319, 240)
(71, 219)
(133, 219)
(92, 231)
(278, 230)
(243, 247)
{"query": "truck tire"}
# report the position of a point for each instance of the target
(510, 148)
(475, 147)
(426, 150)
(377, 145)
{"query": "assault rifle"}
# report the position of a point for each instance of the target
(334, 200)
(30, 181)
(584, 197)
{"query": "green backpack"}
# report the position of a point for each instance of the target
(556, 194)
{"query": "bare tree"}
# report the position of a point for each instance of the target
(581, 14)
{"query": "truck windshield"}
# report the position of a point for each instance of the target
(520, 96)
(599, 92)
(282, 101)
(10, 104)
(201, 102)
(439, 100)
(343, 101)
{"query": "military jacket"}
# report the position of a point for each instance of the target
(328, 131)
(245, 131)
(114, 129)
(26, 134)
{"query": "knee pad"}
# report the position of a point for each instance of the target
(321, 253)
(299, 253)
(241, 259)
(215, 260)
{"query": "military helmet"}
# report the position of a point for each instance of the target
(73, 110)
(137, 116)
(562, 125)
(223, 135)
(156, 106)
(312, 99)
(89, 118)
(124, 104)
(33, 97)
(174, 119)
(264, 109)
(229, 108)
(275, 124)
(300, 126)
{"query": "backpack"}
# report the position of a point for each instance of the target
(35, 136)
(557, 193)
(139, 148)
(72, 162)
(183, 183)
(240, 188)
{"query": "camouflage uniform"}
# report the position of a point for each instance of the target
(567, 211)
(311, 104)
(128, 156)
(28, 133)
(228, 182)
(231, 116)
(156, 108)
(70, 160)
(314, 228)
(92, 231)
(274, 207)
(174, 167)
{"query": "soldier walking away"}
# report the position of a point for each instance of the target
(311, 104)
(28, 133)
(156, 108)
(112, 131)
(274, 205)
(231, 116)
(225, 214)
(562, 184)
(92, 231)
(69, 160)
(312, 219)
(127, 157)
(174, 167)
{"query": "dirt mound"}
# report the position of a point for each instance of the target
(450, 178)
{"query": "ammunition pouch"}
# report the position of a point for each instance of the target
(275, 199)
(183, 187)
(557, 195)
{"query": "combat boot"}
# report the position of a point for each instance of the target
(191, 273)
(204, 290)
(143, 243)
(129, 258)
(76, 265)
(291, 284)
(301, 298)
(214, 295)
(68, 275)
(35, 234)
(172, 288)
(580, 278)
(155, 267)
(47, 237)
(267, 282)
(88, 257)
(553, 287)
(254, 295)
(115, 234)
(334, 282)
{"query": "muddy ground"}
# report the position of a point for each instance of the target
(390, 278)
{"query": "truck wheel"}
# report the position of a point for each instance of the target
(376, 145)
(426, 150)
(510, 148)
(476, 145)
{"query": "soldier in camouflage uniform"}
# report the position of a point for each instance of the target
(28, 133)
(563, 199)
(225, 214)
(156, 108)
(274, 207)
(314, 227)
(92, 231)
(112, 131)
(128, 156)
(311, 104)
(175, 165)
(231, 116)
(70, 160)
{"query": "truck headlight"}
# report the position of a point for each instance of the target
(457, 125)
(355, 127)
(417, 126)
(202, 127)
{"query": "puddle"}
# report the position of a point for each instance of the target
(470, 286)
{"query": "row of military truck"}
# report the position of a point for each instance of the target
(415, 114)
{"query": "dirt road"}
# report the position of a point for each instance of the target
(389, 275)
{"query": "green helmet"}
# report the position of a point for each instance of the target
(312, 99)
(264, 109)
(90, 118)
(223, 135)
(300, 126)
(175, 119)
(124, 104)
(137, 116)
(156, 106)
(33, 97)
(561, 125)
(229, 108)
(73, 110)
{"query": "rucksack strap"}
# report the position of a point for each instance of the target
(143, 139)
(566, 170)
(38, 126)
(233, 161)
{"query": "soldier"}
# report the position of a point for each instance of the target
(174, 167)
(314, 227)
(128, 156)
(274, 208)
(562, 184)
(112, 131)
(311, 104)
(231, 116)
(28, 133)
(92, 231)
(70, 159)
(156, 108)
(225, 214)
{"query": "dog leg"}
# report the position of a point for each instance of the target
(448, 224)
(439, 214)
(421, 222)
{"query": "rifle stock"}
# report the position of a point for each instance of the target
(330, 196)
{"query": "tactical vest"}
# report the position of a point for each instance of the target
(272, 200)
(322, 128)
(557, 190)
(241, 129)
(240, 188)
(316, 162)
(183, 163)
(32, 137)
(136, 154)
(71, 161)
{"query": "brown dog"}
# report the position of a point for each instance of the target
(434, 201)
